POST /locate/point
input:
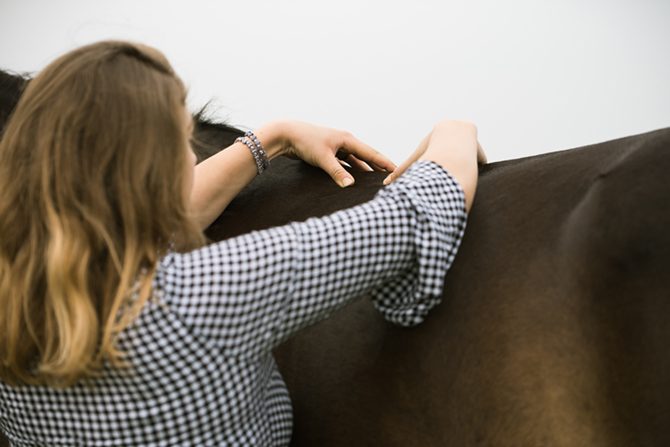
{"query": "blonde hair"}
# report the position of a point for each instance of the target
(91, 194)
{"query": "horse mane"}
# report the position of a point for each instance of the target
(12, 85)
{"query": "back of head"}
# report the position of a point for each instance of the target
(92, 163)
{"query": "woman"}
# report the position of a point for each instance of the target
(118, 327)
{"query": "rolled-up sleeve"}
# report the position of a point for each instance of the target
(435, 224)
(249, 293)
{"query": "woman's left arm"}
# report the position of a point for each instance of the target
(221, 177)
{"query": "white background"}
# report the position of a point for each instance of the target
(535, 76)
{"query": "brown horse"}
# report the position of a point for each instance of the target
(554, 326)
(553, 329)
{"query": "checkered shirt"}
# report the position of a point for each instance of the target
(203, 373)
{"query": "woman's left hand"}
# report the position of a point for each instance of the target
(328, 149)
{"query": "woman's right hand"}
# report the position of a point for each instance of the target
(452, 144)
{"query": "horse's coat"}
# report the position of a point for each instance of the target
(554, 325)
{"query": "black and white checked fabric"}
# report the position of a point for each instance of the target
(203, 372)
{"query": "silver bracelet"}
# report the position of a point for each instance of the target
(256, 148)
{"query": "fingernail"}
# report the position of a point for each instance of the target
(387, 180)
(347, 181)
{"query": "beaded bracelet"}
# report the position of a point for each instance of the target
(256, 148)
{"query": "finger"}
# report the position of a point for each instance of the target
(420, 149)
(344, 163)
(334, 168)
(367, 153)
(398, 172)
(375, 167)
(351, 158)
(481, 155)
(379, 168)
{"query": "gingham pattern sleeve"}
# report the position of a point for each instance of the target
(247, 294)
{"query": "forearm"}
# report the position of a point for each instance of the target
(221, 177)
(453, 145)
(463, 166)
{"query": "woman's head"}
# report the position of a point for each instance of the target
(95, 167)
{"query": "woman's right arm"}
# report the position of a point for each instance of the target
(453, 145)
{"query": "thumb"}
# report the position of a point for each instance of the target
(337, 172)
(481, 155)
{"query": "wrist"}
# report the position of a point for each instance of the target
(274, 138)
